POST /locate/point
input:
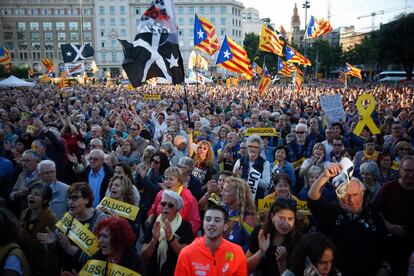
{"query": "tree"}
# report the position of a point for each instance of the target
(395, 41)
(251, 45)
(328, 56)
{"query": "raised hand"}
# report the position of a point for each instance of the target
(47, 237)
(264, 242)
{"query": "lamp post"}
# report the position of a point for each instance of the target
(306, 6)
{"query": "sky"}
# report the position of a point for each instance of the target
(343, 12)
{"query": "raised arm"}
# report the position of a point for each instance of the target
(316, 188)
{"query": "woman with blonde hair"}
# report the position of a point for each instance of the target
(205, 164)
(317, 159)
(174, 182)
(238, 202)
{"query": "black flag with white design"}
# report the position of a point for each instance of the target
(73, 52)
(155, 51)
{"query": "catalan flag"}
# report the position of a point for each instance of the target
(196, 61)
(283, 68)
(4, 56)
(264, 81)
(48, 63)
(234, 58)
(270, 42)
(353, 71)
(317, 27)
(205, 36)
(30, 72)
(294, 56)
(257, 69)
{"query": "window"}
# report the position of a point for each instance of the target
(47, 11)
(61, 36)
(86, 11)
(102, 21)
(21, 26)
(190, 32)
(36, 45)
(122, 10)
(49, 45)
(180, 21)
(7, 26)
(223, 9)
(223, 21)
(34, 12)
(113, 43)
(191, 10)
(49, 54)
(212, 9)
(9, 45)
(191, 20)
(34, 26)
(36, 55)
(180, 10)
(8, 35)
(137, 21)
(22, 46)
(87, 36)
(123, 32)
(112, 10)
(73, 11)
(102, 32)
(73, 25)
(223, 32)
(123, 22)
(60, 25)
(114, 56)
(112, 21)
(103, 43)
(74, 36)
(202, 10)
(181, 43)
(213, 20)
(61, 11)
(47, 26)
(87, 25)
(21, 35)
(19, 11)
(47, 36)
(180, 32)
(104, 57)
(23, 55)
(101, 10)
(137, 11)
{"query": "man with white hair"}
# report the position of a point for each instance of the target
(301, 147)
(47, 172)
(97, 174)
(356, 228)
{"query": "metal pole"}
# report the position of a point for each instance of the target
(305, 6)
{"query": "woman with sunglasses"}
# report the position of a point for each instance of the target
(174, 182)
(402, 148)
(164, 239)
(313, 255)
(80, 199)
(271, 245)
(205, 164)
(36, 219)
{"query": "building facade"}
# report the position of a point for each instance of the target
(35, 29)
(349, 37)
(251, 21)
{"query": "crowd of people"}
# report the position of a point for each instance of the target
(199, 181)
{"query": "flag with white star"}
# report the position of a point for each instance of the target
(317, 27)
(155, 51)
(293, 56)
(205, 36)
(74, 52)
(234, 58)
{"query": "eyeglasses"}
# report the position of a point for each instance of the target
(247, 123)
(203, 148)
(169, 204)
(299, 132)
(155, 161)
(134, 128)
(73, 197)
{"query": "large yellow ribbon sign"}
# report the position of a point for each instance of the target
(366, 114)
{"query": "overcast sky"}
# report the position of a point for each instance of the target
(343, 12)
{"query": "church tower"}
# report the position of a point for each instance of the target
(295, 23)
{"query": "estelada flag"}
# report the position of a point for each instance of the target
(270, 42)
(264, 81)
(294, 56)
(353, 71)
(205, 36)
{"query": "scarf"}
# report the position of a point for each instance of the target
(162, 241)
(372, 157)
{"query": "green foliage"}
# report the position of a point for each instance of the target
(327, 56)
(251, 45)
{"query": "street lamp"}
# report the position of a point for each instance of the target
(306, 6)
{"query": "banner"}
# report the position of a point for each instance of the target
(266, 203)
(333, 108)
(253, 181)
(120, 208)
(264, 131)
(96, 267)
(79, 234)
(152, 97)
(75, 67)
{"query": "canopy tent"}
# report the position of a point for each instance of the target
(12, 81)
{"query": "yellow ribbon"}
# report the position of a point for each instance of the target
(366, 115)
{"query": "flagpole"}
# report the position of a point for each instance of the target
(306, 6)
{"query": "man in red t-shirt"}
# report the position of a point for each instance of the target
(212, 254)
(395, 203)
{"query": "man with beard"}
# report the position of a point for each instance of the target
(212, 254)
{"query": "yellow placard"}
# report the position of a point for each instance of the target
(301, 206)
(96, 267)
(395, 165)
(263, 131)
(156, 97)
(264, 204)
(79, 234)
(298, 163)
(120, 208)
(366, 114)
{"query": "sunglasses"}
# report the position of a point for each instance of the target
(155, 161)
(169, 204)
(299, 132)
(74, 197)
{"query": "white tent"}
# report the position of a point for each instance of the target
(12, 81)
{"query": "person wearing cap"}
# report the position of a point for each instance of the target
(355, 228)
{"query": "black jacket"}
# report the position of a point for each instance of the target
(84, 176)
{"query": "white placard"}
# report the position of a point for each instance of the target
(333, 108)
